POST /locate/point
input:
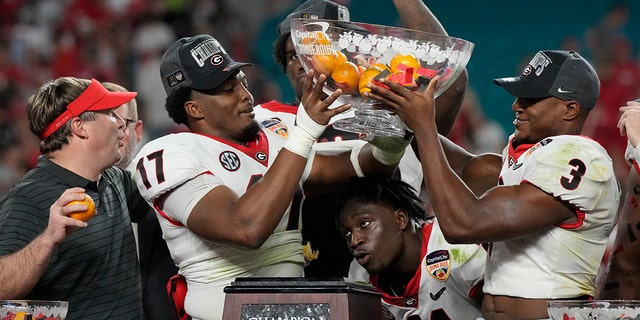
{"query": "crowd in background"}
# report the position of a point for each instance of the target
(122, 41)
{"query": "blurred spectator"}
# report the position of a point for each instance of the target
(151, 37)
(602, 36)
(474, 131)
(620, 82)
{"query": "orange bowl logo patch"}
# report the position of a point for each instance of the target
(437, 264)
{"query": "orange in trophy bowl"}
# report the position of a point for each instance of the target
(33, 310)
(408, 57)
(346, 75)
(593, 309)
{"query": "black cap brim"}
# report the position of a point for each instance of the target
(521, 88)
(217, 77)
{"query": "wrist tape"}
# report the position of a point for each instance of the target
(303, 134)
(389, 150)
(355, 152)
(386, 157)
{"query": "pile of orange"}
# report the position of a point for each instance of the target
(326, 63)
(350, 77)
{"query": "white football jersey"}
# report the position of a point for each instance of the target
(167, 162)
(445, 286)
(561, 261)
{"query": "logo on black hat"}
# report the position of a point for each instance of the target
(217, 60)
(539, 62)
(203, 51)
(175, 78)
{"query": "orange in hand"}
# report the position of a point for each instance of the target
(87, 214)
(347, 76)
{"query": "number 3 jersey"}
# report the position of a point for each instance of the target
(168, 162)
(562, 260)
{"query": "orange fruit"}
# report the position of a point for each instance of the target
(321, 38)
(366, 78)
(306, 41)
(87, 214)
(326, 63)
(380, 66)
(347, 76)
(400, 62)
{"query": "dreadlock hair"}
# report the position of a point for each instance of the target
(385, 190)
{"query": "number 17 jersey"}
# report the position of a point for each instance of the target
(166, 163)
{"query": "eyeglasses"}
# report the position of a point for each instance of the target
(127, 122)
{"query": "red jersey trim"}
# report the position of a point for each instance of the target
(259, 145)
(580, 215)
(635, 166)
(165, 216)
(276, 106)
(410, 296)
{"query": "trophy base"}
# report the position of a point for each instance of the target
(372, 122)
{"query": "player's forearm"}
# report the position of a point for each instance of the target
(330, 173)
(416, 15)
(448, 195)
(372, 166)
(621, 279)
(449, 102)
(20, 271)
(263, 205)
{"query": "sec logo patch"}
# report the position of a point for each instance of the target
(229, 160)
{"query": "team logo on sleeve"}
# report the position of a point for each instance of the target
(437, 264)
(276, 126)
(230, 160)
(538, 145)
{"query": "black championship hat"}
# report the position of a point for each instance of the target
(315, 9)
(562, 74)
(197, 62)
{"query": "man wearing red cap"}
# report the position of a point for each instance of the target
(547, 206)
(44, 253)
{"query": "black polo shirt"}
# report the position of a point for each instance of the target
(95, 268)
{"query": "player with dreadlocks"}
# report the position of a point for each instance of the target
(403, 253)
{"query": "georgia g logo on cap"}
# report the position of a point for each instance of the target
(217, 60)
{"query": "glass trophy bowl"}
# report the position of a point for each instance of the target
(594, 309)
(352, 54)
(33, 309)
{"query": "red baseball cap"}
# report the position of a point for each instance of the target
(95, 98)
